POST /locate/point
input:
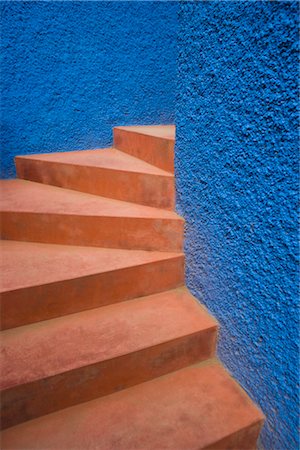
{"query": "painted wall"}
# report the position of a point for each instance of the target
(70, 71)
(237, 177)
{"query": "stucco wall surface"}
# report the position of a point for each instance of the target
(237, 187)
(70, 71)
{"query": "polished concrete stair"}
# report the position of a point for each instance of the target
(102, 345)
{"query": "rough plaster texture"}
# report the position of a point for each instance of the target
(237, 176)
(73, 70)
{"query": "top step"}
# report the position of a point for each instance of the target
(154, 144)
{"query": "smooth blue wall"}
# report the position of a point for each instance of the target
(70, 71)
(237, 187)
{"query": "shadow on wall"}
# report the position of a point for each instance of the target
(237, 187)
(73, 70)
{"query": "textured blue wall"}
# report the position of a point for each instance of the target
(237, 177)
(73, 70)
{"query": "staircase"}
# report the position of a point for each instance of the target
(102, 345)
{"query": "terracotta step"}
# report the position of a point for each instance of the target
(107, 172)
(200, 407)
(154, 144)
(42, 281)
(41, 213)
(54, 364)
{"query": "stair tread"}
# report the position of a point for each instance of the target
(100, 158)
(47, 348)
(26, 264)
(192, 409)
(28, 196)
(163, 131)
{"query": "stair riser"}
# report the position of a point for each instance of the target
(110, 232)
(157, 151)
(150, 190)
(79, 294)
(245, 439)
(35, 399)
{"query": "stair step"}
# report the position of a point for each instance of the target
(107, 172)
(199, 407)
(99, 337)
(57, 363)
(43, 281)
(40, 213)
(154, 144)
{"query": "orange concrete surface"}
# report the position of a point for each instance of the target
(99, 335)
(27, 196)
(41, 213)
(42, 281)
(155, 131)
(107, 172)
(87, 352)
(154, 144)
(199, 407)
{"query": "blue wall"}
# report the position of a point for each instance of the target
(73, 70)
(237, 177)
